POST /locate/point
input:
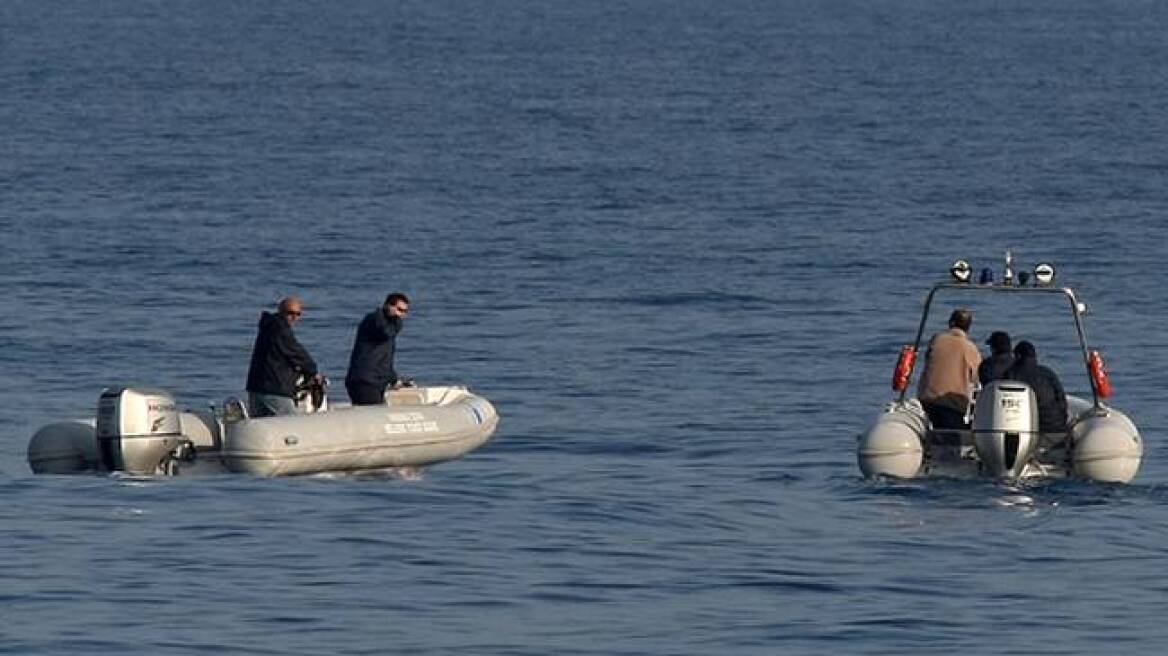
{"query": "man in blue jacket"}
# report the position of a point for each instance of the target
(371, 368)
(277, 362)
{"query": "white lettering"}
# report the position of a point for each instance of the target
(394, 428)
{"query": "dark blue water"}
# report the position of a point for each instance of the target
(677, 243)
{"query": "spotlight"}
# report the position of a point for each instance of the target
(1044, 274)
(961, 271)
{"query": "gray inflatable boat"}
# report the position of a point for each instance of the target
(1002, 439)
(141, 431)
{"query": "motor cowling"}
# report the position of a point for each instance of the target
(1005, 427)
(138, 430)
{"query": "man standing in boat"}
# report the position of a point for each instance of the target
(371, 368)
(277, 361)
(950, 372)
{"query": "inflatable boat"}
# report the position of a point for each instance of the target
(1003, 439)
(141, 431)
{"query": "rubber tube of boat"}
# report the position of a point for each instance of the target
(904, 368)
(1099, 375)
(1108, 448)
(892, 446)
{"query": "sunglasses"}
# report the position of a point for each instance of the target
(402, 310)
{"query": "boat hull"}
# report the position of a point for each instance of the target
(359, 438)
(417, 427)
(1102, 445)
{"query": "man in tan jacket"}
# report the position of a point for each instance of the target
(950, 372)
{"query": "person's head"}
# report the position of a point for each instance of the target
(1025, 350)
(397, 305)
(999, 342)
(291, 308)
(961, 318)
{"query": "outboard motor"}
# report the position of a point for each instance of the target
(1005, 427)
(138, 430)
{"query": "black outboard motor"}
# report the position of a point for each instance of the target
(138, 430)
(1005, 427)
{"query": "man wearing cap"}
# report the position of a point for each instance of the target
(950, 372)
(277, 361)
(371, 361)
(1048, 389)
(1001, 358)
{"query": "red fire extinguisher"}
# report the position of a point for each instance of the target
(904, 368)
(1099, 376)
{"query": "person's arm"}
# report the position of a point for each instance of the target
(389, 329)
(295, 353)
(390, 336)
(974, 363)
(924, 370)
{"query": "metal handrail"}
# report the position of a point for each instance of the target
(1010, 289)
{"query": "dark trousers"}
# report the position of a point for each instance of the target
(363, 394)
(944, 416)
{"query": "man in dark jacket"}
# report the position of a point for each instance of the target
(371, 362)
(1048, 390)
(1000, 360)
(277, 361)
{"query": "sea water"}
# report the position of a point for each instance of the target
(678, 244)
